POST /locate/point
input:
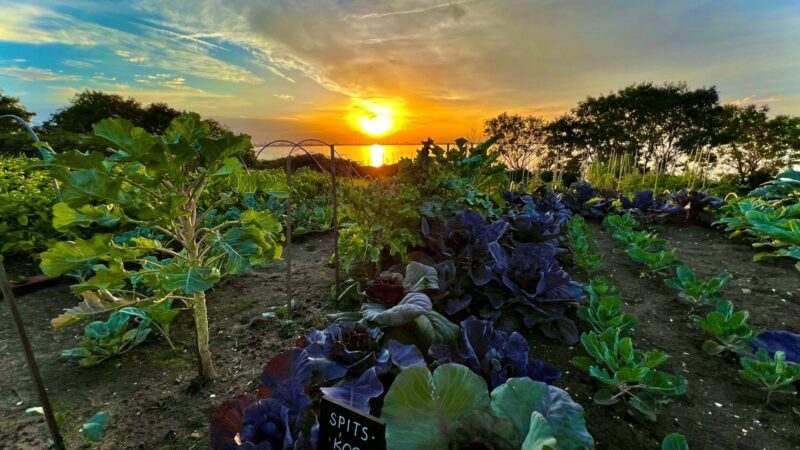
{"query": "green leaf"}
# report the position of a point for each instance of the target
(712, 348)
(70, 255)
(422, 410)
(410, 307)
(112, 277)
(90, 185)
(265, 220)
(134, 141)
(675, 441)
(95, 427)
(519, 398)
(65, 217)
(436, 329)
(94, 302)
(229, 166)
(420, 277)
(216, 150)
(540, 435)
(188, 279)
(239, 248)
(188, 127)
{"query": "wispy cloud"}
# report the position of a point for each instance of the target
(36, 74)
(756, 100)
(30, 24)
(77, 64)
(286, 97)
(128, 56)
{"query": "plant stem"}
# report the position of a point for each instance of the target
(205, 366)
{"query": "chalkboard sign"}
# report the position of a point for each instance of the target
(344, 428)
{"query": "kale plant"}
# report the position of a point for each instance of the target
(729, 329)
(604, 311)
(123, 330)
(772, 374)
(629, 374)
(694, 292)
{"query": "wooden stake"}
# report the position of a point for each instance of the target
(50, 418)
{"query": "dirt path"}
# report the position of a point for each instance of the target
(148, 390)
(720, 410)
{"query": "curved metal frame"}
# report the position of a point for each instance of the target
(334, 196)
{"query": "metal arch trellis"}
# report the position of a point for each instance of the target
(334, 197)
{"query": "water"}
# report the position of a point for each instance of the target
(374, 155)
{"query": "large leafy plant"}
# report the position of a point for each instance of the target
(159, 183)
(452, 408)
(628, 374)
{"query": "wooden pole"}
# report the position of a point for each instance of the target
(289, 236)
(335, 224)
(49, 417)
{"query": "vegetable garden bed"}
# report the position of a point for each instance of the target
(154, 405)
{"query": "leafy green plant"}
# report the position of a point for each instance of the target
(729, 329)
(26, 199)
(94, 428)
(675, 441)
(770, 215)
(584, 251)
(657, 262)
(381, 217)
(630, 374)
(604, 308)
(771, 374)
(452, 408)
(621, 222)
(696, 292)
(158, 183)
(640, 239)
(117, 335)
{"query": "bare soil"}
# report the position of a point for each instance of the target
(154, 403)
(720, 409)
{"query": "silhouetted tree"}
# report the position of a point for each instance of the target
(751, 143)
(523, 143)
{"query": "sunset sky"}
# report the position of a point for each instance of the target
(297, 68)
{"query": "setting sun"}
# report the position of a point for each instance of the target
(377, 125)
(376, 117)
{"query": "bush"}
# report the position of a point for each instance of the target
(26, 201)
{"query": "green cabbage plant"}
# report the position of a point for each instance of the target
(452, 408)
(156, 183)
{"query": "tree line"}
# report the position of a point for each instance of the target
(646, 127)
(69, 126)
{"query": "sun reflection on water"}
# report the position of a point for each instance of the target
(376, 154)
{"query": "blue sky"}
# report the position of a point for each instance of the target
(301, 68)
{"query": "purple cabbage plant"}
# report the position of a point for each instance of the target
(278, 418)
(493, 354)
(351, 348)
